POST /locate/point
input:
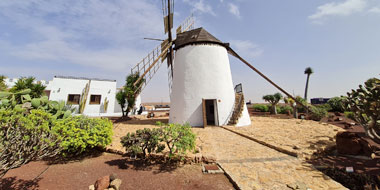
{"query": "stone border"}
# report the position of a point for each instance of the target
(290, 153)
(234, 183)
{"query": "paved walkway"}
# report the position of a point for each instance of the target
(254, 166)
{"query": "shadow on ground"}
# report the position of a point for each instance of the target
(73, 158)
(156, 165)
(144, 121)
(11, 183)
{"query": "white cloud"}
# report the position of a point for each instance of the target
(200, 6)
(246, 48)
(374, 10)
(92, 33)
(345, 8)
(234, 9)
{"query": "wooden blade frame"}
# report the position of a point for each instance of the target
(157, 59)
(232, 52)
(187, 25)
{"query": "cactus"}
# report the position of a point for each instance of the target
(364, 103)
(105, 105)
(84, 96)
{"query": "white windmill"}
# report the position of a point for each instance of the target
(200, 82)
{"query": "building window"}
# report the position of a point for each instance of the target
(73, 99)
(95, 99)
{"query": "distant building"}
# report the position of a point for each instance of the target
(100, 99)
(319, 100)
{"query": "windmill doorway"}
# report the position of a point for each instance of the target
(210, 112)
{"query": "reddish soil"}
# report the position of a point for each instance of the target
(134, 175)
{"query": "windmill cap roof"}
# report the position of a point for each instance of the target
(196, 36)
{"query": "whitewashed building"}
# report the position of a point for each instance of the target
(100, 101)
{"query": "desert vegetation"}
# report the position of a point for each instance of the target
(33, 127)
(126, 97)
(179, 139)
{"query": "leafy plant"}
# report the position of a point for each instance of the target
(122, 100)
(3, 86)
(132, 91)
(273, 100)
(37, 89)
(326, 107)
(349, 115)
(26, 137)
(364, 103)
(261, 107)
(317, 113)
(144, 141)
(81, 133)
(284, 109)
(178, 138)
(336, 104)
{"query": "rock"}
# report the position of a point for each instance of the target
(348, 143)
(295, 147)
(102, 183)
(338, 119)
(208, 159)
(111, 188)
(27, 105)
(113, 176)
(116, 183)
(198, 158)
(91, 187)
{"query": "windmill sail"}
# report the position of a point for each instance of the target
(149, 65)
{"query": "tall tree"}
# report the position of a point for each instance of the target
(131, 91)
(308, 72)
(121, 99)
(3, 86)
(273, 99)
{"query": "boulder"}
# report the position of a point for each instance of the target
(116, 183)
(91, 187)
(102, 183)
(113, 176)
(348, 143)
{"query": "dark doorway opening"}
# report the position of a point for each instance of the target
(210, 112)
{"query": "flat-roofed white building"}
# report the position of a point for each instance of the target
(100, 97)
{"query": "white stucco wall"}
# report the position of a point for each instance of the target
(201, 71)
(245, 119)
(60, 88)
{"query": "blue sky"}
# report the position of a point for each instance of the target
(339, 39)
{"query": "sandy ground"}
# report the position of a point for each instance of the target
(303, 137)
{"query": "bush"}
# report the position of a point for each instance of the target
(81, 133)
(144, 141)
(178, 138)
(336, 104)
(317, 113)
(326, 107)
(26, 137)
(261, 107)
(284, 109)
(349, 115)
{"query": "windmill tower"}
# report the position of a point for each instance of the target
(199, 74)
(203, 91)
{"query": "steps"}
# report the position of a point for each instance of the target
(238, 109)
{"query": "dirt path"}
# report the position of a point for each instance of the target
(81, 174)
(254, 166)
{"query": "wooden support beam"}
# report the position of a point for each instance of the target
(232, 52)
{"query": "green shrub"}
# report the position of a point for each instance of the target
(349, 115)
(261, 107)
(336, 104)
(178, 138)
(317, 113)
(144, 141)
(26, 137)
(284, 109)
(326, 107)
(81, 133)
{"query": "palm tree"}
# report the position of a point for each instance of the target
(308, 72)
(3, 86)
(37, 89)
